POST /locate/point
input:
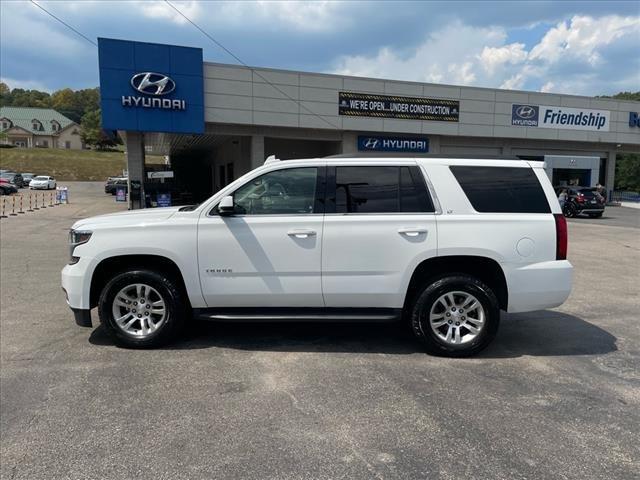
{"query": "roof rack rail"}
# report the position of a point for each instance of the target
(423, 155)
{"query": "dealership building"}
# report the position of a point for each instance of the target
(214, 122)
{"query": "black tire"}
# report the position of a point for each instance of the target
(426, 298)
(570, 210)
(596, 215)
(176, 307)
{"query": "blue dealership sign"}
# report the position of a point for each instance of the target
(148, 87)
(393, 144)
(164, 199)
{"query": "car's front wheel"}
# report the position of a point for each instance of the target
(142, 308)
(455, 316)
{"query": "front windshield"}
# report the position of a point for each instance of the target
(41, 178)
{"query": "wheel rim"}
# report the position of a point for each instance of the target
(139, 310)
(457, 318)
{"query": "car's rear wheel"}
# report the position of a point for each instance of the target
(456, 316)
(142, 308)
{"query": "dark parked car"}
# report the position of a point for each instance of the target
(7, 188)
(581, 200)
(14, 178)
(114, 183)
(27, 177)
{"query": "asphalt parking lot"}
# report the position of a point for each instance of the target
(557, 395)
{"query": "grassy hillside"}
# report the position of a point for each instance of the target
(82, 165)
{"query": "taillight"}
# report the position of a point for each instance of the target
(562, 236)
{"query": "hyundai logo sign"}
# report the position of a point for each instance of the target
(525, 112)
(371, 143)
(153, 83)
(525, 115)
(393, 144)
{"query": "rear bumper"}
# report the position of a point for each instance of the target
(539, 286)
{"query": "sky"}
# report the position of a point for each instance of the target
(574, 47)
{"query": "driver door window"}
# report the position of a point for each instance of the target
(282, 192)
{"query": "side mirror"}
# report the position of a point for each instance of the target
(226, 207)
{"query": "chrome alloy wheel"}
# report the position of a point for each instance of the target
(138, 310)
(457, 317)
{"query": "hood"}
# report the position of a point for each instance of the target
(121, 219)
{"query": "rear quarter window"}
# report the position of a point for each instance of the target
(502, 189)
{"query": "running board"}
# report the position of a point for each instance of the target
(243, 314)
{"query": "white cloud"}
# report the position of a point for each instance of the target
(495, 57)
(582, 37)
(159, 9)
(547, 87)
(304, 16)
(515, 82)
(568, 58)
(438, 59)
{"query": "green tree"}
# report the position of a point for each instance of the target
(5, 94)
(628, 172)
(92, 133)
(67, 102)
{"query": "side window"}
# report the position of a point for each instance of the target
(380, 190)
(502, 189)
(282, 192)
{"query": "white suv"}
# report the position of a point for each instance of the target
(442, 243)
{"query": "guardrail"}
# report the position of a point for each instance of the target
(20, 204)
(624, 196)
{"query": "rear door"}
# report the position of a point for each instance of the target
(380, 223)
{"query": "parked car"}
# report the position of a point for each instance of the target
(582, 200)
(7, 188)
(27, 177)
(114, 183)
(13, 177)
(442, 243)
(42, 182)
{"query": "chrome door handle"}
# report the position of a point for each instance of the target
(412, 231)
(301, 233)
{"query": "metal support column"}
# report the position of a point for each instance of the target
(610, 173)
(257, 151)
(135, 166)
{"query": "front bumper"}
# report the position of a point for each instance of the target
(76, 282)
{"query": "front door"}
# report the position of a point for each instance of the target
(268, 254)
(379, 224)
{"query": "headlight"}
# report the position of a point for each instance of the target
(77, 237)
